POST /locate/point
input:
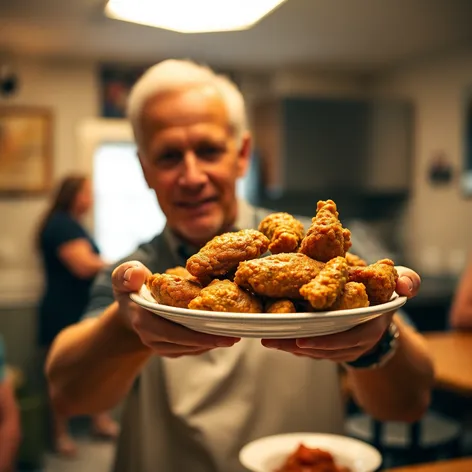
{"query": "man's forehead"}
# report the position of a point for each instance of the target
(186, 106)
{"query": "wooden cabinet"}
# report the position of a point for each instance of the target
(361, 145)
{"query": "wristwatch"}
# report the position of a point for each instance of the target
(381, 354)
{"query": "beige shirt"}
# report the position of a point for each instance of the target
(195, 413)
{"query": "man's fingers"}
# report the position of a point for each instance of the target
(129, 276)
(408, 283)
(154, 329)
(175, 350)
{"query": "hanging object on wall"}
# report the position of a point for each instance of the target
(9, 82)
(26, 142)
(116, 82)
(440, 170)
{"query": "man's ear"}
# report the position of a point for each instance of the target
(244, 154)
(144, 168)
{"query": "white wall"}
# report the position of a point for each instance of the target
(70, 91)
(439, 219)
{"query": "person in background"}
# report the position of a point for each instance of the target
(193, 399)
(460, 316)
(71, 260)
(10, 430)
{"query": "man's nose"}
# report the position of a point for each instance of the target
(193, 174)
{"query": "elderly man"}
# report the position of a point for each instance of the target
(193, 400)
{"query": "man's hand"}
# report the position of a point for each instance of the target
(352, 344)
(164, 337)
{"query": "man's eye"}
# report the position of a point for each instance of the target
(169, 156)
(209, 152)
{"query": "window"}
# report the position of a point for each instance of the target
(126, 210)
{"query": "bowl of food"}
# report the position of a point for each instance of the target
(309, 452)
(275, 282)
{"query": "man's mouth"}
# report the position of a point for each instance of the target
(196, 203)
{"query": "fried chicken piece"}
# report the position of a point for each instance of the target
(284, 231)
(280, 306)
(224, 252)
(354, 295)
(326, 238)
(172, 290)
(185, 274)
(323, 290)
(181, 272)
(224, 295)
(355, 261)
(380, 280)
(278, 275)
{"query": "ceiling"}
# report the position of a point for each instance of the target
(364, 34)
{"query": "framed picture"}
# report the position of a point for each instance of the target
(115, 85)
(116, 82)
(25, 150)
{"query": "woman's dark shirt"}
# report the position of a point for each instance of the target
(65, 295)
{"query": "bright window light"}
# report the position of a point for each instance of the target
(192, 16)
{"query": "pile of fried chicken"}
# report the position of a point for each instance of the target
(278, 269)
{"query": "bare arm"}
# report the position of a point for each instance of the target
(461, 312)
(79, 257)
(92, 365)
(9, 427)
(400, 390)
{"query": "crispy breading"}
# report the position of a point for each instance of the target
(326, 238)
(172, 290)
(355, 261)
(354, 295)
(284, 232)
(224, 295)
(380, 280)
(323, 290)
(278, 275)
(224, 252)
(280, 306)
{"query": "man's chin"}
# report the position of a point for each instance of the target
(199, 234)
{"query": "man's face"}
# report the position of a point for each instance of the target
(191, 160)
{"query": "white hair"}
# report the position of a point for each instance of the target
(171, 75)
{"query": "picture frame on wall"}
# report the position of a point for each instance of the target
(115, 85)
(25, 150)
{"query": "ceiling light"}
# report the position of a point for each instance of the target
(192, 16)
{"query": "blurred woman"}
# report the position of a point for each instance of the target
(71, 260)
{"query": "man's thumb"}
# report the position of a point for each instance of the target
(129, 276)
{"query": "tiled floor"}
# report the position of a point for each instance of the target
(93, 456)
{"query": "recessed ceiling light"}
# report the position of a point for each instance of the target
(192, 16)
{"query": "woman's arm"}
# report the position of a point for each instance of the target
(78, 256)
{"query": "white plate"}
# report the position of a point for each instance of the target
(266, 325)
(269, 453)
